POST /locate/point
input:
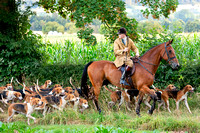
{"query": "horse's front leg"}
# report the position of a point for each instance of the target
(154, 98)
(140, 98)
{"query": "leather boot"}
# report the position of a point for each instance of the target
(123, 77)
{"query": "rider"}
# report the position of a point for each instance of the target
(122, 47)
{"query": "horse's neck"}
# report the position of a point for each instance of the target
(153, 57)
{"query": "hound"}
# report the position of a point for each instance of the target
(55, 101)
(10, 96)
(177, 95)
(127, 95)
(24, 108)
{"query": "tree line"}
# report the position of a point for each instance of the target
(183, 21)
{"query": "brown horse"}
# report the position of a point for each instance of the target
(100, 72)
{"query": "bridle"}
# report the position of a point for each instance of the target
(169, 59)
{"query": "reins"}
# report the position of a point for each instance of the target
(169, 59)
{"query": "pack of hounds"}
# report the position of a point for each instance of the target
(44, 98)
(40, 98)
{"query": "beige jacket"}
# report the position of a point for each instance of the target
(120, 55)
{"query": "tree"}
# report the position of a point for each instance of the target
(50, 26)
(150, 27)
(61, 29)
(110, 12)
(192, 26)
(70, 28)
(166, 23)
(185, 15)
(178, 26)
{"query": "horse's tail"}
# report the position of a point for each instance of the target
(84, 87)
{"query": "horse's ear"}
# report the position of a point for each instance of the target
(170, 41)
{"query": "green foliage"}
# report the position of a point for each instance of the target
(37, 22)
(102, 29)
(166, 23)
(86, 34)
(18, 58)
(57, 73)
(158, 8)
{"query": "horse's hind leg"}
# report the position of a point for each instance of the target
(95, 100)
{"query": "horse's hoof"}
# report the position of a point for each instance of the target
(150, 112)
(138, 114)
(99, 111)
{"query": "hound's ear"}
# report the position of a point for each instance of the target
(168, 87)
(81, 100)
(34, 102)
(67, 97)
(15, 93)
(54, 92)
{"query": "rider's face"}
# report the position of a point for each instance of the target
(121, 36)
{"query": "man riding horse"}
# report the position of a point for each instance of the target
(122, 47)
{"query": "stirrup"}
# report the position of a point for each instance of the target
(124, 82)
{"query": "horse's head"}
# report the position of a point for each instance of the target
(169, 55)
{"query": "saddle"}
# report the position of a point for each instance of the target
(122, 68)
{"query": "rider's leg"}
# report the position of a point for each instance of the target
(123, 77)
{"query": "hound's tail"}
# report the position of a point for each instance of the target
(107, 89)
(36, 88)
(156, 89)
(70, 81)
(84, 87)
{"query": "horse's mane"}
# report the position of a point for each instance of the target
(150, 49)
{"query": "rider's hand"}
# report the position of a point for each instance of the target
(137, 55)
(125, 50)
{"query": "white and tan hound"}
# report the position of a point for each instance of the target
(24, 108)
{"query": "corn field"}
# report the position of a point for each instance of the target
(187, 48)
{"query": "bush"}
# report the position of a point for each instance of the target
(18, 58)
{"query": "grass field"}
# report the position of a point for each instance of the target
(61, 38)
(73, 37)
(112, 120)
